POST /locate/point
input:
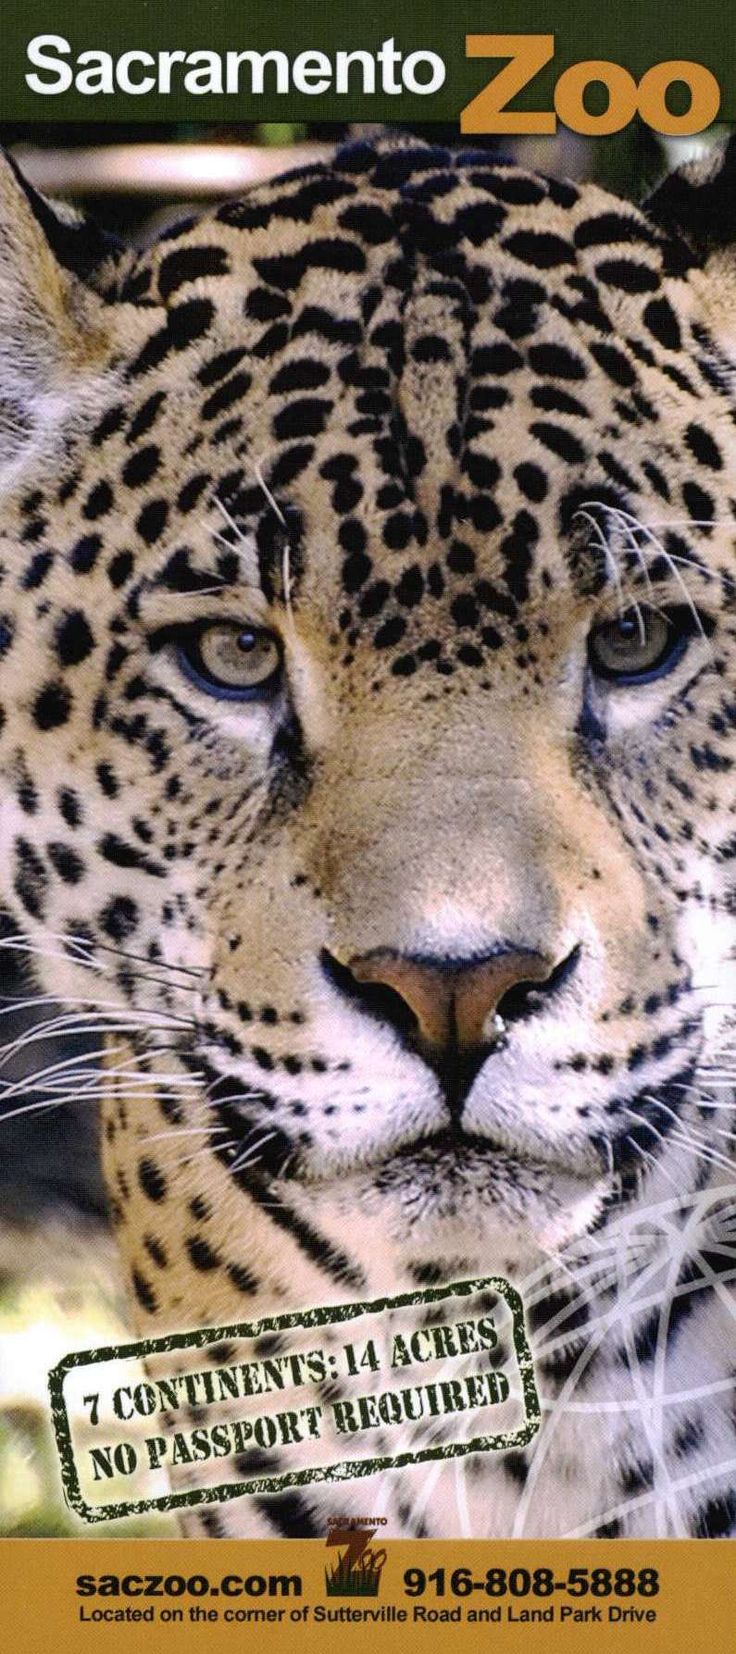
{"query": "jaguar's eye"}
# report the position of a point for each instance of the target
(235, 663)
(641, 644)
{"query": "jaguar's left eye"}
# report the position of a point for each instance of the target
(234, 663)
(641, 644)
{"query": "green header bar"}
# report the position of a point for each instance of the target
(414, 66)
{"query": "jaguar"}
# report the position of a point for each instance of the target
(367, 650)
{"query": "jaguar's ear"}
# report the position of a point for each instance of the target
(54, 320)
(697, 202)
(696, 208)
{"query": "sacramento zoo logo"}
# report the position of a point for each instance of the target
(357, 1571)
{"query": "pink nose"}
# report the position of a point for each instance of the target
(451, 1004)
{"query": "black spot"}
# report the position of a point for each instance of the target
(374, 599)
(556, 361)
(562, 192)
(717, 1518)
(242, 1278)
(635, 1478)
(52, 706)
(145, 417)
(464, 610)
(108, 780)
(495, 360)
(290, 464)
(657, 479)
(430, 348)
(27, 795)
(120, 568)
(559, 441)
(688, 1437)
(187, 263)
(355, 571)
(610, 227)
(390, 632)
(85, 553)
(144, 1292)
(703, 448)
(301, 374)
(410, 588)
(108, 425)
(531, 480)
(225, 395)
(120, 918)
(152, 521)
(67, 863)
(478, 222)
(398, 530)
(70, 807)
(201, 1253)
(371, 223)
(552, 399)
(152, 1180)
(285, 270)
(141, 466)
(334, 329)
(482, 470)
(539, 248)
(185, 323)
(74, 638)
(37, 570)
(461, 558)
(404, 666)
(627, 275)
(156, 1251)
(192, 492)
(699, 505)
(31, 879)
(516, 1466)
(484, 398)
(98, 502)
(515, 187)
(430, 1274)
(115, 850)
(263, 306)
(614, 363)
(661, 320)
(289, 1514)
(306, 416)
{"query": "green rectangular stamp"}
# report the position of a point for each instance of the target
(424, 1365)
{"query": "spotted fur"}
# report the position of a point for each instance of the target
(429, 418)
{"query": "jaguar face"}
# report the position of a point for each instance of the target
(367, 626)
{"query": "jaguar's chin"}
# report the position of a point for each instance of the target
(469, 1196)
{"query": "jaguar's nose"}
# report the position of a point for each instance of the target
(452, 1011)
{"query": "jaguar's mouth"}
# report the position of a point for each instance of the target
(260, 1151)
(452, 1143)
(256, 1143)
(265, 1151)
(453, 1150)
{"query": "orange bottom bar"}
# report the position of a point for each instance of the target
(106, 1596)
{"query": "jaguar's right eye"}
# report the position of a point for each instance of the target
(230, 661)
(641, 644)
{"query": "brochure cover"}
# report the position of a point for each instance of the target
(367, 753)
